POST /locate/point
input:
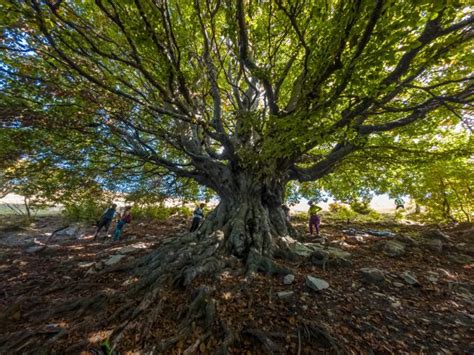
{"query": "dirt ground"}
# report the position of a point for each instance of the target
(353, 315)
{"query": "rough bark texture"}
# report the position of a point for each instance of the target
(250, 218)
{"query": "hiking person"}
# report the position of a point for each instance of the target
(105, 220)
(314, 219)
(198, 215)
(124, 219)
(399, 203)
(286, 211)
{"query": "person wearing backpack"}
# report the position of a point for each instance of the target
(198, 215)
(106, 219)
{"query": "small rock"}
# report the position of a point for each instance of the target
(406, 240)
(396, 304)
(316, 284)
(127, 250)
(53, 327)
(99, 265)
(460, 259)
(397, 284)
(435, 234)
(91, 271)
(68, 232)
(372, 275)
(35, 249)
(85, 264)
(381, 233)
(288, 279)
(284, 295)
(410, 279)
(432, 276)
(114, 259)
(394, 248)
(128, 282)
(434, 245)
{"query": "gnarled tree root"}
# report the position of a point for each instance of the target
(178, 261)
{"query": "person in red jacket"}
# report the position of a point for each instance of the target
(126, 218)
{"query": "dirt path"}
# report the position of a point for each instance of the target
(387, 316)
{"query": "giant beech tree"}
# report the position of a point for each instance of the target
(241, 96)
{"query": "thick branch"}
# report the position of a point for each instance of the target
(249, 63)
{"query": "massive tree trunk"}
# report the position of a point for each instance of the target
(251, 217)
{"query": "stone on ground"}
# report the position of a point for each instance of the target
(372, 275)
(284, 295)
(410, 278)
(35, 249)
(114, 259)
(85, 264)
(127, 250)
(435, 234)
(288, 279)
(394, 248)
(460, 259)
(334, 255)
(316, 284)
(69, 231)
(433, 245)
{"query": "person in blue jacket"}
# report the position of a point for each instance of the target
(106, 219)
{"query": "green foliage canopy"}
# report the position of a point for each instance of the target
(211, 91)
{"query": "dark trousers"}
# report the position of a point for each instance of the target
(104, 222)
(314, 221)
(195, 224)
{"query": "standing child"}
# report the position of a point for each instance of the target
(198, 215)
(314, 219)
(126, 218)
(106, 219)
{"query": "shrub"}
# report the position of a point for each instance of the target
(335, 207)
(159, 212)
(361, 207)
(88, 210)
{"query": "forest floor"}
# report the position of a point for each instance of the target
(428, 310)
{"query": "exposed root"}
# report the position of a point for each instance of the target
(229, 338)
(203, 307)
(316, 331)
(247, 238)
(269, 345)
(260, 263)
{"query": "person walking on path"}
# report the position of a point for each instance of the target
(125, 219)
(106, 219)
(314, 219)
(198, 215)
(399, 203)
